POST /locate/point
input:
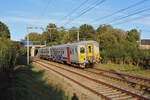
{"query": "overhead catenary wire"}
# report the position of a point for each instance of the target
(89, 8)
(83, 10)
(129, 15)
(77, 8)
(46, 7)
(121, 10)
(133, 19)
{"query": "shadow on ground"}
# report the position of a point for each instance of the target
(27, 84)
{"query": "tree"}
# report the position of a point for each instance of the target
(8, 55)
(51, 33)
(63, 36)
(108, 37)
(111, 43)
(86, 32)
(4, 31)
(133, 36)
(51, 26)
(33, 36)
(73, 34)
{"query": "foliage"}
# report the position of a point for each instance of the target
(121, 47)
(86, 31)
(133, 36)
(51, 33)
(4, 31)
(20, 82)
(8, 55)
(73, 34)
(34, 37)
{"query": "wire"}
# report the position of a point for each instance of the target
(46, 7)
(121, 10)
(89, 6)
(132, 14)
(95, 4)
(74, 10)
(133, 19)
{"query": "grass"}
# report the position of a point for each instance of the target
(125, 68)
(29, 83)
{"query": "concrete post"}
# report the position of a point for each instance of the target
(32, 51)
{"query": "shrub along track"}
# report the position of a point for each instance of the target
(103, 89)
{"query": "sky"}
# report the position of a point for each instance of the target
(18, 14)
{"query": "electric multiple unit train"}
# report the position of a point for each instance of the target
(80, 53)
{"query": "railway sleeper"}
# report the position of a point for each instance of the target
(117, 95)
(125, 97)
(110, 91)
(113, 93)
(105, 88)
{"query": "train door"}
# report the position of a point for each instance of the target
(68, 55)
(89, 50)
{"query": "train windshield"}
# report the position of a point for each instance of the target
(82, 50)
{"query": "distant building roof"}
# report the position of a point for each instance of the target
(145, 42)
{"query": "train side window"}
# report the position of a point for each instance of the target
(70, 51)
(76, 50)
(73, 51)
(82, 50)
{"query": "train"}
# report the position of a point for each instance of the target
(80, 54)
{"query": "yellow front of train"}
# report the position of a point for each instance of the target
(88, 53)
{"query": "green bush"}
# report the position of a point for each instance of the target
(8, 55)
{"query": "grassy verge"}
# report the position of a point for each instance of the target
(125, 68)
(29, 83)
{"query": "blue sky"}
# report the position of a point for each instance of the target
(17, 14)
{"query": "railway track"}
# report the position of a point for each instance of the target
(139, 83)
(98, 87)
(137, 87)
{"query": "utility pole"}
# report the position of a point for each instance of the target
(140, 35)
(78, 33)
(28, 58)
(50, 31)
(28, 45)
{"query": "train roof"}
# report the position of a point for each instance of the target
(75, 43)
(68, 44)
(84, 42)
